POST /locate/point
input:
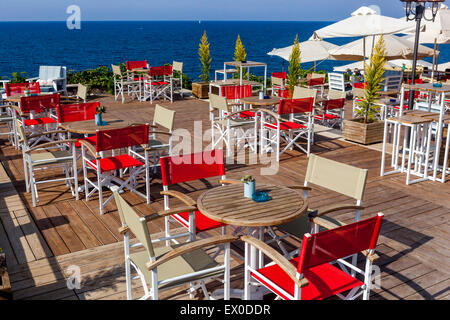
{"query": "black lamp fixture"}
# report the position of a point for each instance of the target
(416, 10)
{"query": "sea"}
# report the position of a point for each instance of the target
(24, 46)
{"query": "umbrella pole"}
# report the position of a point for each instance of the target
(416, 48)
(434, 61)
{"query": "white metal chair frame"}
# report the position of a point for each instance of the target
(140, 229)
(108, 178)
(66, 160)
(122, 81)
(271, 134)
(232, 129)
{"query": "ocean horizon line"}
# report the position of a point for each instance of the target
(165, 20)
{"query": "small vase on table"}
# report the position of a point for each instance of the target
(249, 186)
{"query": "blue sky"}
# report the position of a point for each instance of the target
(293, 10)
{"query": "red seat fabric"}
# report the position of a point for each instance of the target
(38, 121)
(285, 126)
(202, 223)
(324, 281)
(92, 140)
(398, 107)
(117, 162)
(247, 114)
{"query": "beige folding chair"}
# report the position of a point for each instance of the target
(277, 84)
(163, 118)
(47, 156)
(233, 129)
(122, 81)
(177, 78)
(302, 92)
(80, 95)
(331, 175)
(165, 267)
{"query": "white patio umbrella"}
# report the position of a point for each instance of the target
(398, 63)
(311, 50)
(396, 48)
(362, 23)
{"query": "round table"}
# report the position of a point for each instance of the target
(89, 126)
(255, 101)
(227, 204)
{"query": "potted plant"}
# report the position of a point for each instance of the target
(240, 55)
(201, 89)
(249, 186)
(98, 115)
(294, 70)
(365, 128)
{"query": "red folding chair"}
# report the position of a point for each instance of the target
(136, 64)
(360, 85)
(234, 93)
(299, 125)
(78, 112)
(13, 89)
(317, 81)
(36, 116)
(158, 83)
(130, 65)
(313, 275)
(185, 168)
(105, 167)
(332, 113)
(278, 82)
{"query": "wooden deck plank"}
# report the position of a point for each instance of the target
(412, 246)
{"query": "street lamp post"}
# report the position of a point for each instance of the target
(415, 10)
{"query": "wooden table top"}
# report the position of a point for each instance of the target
(227, 204)
(245, 64)
(411, 119)
(256, 101)
(116, 119)
(428, 87)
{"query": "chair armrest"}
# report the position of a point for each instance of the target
(240, 111)
(338, 207)
(276, 257)
(47, 132)
(184, 198)
(32, 79)
(325, 223)
(170, 212)
(372, 257)
(90, 148)
(49, 144)
(229, 181)
(192, 246)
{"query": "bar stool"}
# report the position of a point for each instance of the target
(415, 159)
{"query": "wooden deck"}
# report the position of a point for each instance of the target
(42, 243)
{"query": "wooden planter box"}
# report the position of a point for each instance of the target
(200, 90)
(368, 133)
(5, 285)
